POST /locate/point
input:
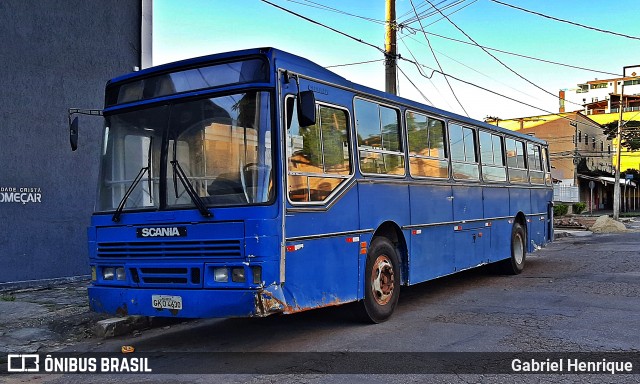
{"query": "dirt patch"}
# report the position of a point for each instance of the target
(605, 224)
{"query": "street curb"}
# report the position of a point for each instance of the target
(119, 326)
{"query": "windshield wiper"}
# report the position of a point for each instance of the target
(118, 212)
(197, 200)
(143, 170)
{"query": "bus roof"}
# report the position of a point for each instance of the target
(286, 60)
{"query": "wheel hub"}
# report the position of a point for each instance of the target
(382, 280)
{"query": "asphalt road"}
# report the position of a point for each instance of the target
(580, 294)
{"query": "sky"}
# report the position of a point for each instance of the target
(190, 28)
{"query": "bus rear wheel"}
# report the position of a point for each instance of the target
(515, 264)
(382, 282)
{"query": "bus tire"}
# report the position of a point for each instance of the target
(515, 264)
(382, 282)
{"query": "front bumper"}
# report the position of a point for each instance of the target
(202, 303)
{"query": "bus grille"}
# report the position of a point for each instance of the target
(209, 248)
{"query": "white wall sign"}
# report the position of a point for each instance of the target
(22, 195)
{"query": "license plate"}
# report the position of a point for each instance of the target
(166, 302)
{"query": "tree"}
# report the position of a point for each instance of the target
(630, 133)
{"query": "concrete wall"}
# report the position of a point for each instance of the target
(55, 55)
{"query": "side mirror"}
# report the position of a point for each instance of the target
(73, 134)
(306, 108)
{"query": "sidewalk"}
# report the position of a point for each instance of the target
(46, 318)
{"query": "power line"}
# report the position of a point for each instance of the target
(517, 54)
(313, 4)
(436, 58)
(426, 13)
(418, 65)
(567, 21)
(499, 94)
(323, 25)
(425, 76)
(419, 6)
(499, 61)
(358, 63)
(404, 25)
(415, 86)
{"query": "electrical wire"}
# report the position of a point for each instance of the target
(500, 61)
(438, 62)
(415, 86)
(418, 65)
(566, 21)
(515, 54)
(358, 63)
(323, 25)
(313, 4)
(498, 94)
(404, 25)
(425, 14)
(427, 77)
(419, 6)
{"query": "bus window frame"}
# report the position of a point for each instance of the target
(526, 160)
(504, 166)
(476, 149)
(547, 165)
(534, 171)
(346, 179)
(402, 139)
(445, 142)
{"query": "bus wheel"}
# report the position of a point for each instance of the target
(515, 264)
(382, 281)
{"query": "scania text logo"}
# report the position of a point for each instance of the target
(162, 232)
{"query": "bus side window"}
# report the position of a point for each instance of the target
(318, 155)
(464, 161)
(492, 157)
(547, 168)
(536, 174)
(516, 162)
(427, 149)
(379, 140)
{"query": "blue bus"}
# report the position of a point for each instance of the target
(257, 182)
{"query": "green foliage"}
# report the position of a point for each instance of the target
(630, 133)
(7, 298)
(578, 208)
(560, 210)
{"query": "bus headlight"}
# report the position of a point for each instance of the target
(237, 275)
(221, 275)
(257, 274)
(120, 275)
(108, 273)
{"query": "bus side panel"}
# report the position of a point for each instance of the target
(431, 252)
(519, 201)
(539, 233)
(381, 202)
(323, 270)
(469, 242)
(494, 202)
(467, 203)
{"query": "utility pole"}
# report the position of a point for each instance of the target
(616, 187)
(390, 48)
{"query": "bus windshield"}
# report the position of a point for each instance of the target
(222, 144)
